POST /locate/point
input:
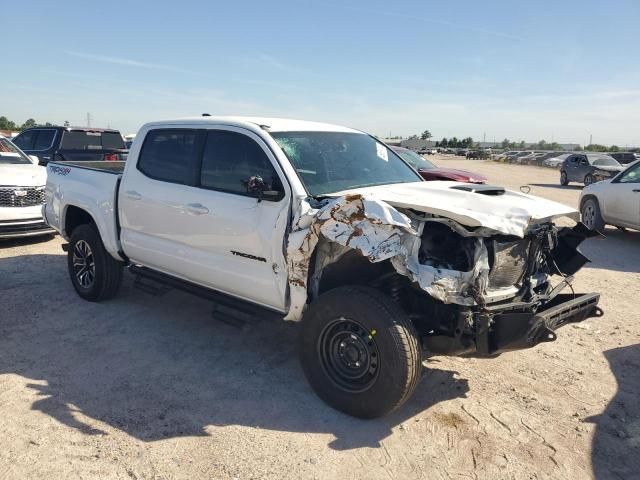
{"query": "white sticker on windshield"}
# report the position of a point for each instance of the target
(382, 152)
(9, 154)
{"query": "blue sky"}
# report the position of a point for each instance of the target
(522, 70)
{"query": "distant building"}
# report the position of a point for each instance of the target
(570, 147)
(8, 133)
(567, 147)
(417, 144)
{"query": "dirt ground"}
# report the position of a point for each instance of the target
(152, 387)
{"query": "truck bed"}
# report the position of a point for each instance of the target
(88, 186)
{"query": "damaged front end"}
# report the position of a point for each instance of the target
(467, 289)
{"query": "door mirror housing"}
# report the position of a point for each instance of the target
(35, 160)
(257, 186)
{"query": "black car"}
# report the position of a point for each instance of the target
(80, 144)
(588, 168)
(477, 155)
(625, 157)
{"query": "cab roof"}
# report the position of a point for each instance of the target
(269, 124)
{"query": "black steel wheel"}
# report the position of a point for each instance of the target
(348, 354)
(360, 351)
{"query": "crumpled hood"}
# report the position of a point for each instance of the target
(610, 168)
(23, 175)
(510, 213)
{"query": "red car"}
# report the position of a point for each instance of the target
(429, 171)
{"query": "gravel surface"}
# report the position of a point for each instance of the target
(150, 386)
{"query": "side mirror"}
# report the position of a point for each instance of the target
(257, 186)
(35, 160)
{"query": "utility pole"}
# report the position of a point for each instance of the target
(88, 119)
(590, 139)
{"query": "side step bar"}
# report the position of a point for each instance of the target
(227, 309)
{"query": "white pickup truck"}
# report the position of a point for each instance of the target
(325, 225)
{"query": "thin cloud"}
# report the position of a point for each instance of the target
(128, 62)
(446, 23)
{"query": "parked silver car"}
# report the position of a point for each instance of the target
(613, 202)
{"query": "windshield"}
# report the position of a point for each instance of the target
(604, 161)
(415, 160)
(10, 154)
(329, 162)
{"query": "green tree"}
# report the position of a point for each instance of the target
(614, 148)
(6, 124)
(521, 144)
(454, 142)
(506, 143)
(29, 124)
(444, 142)
(596, 147)
(426, 135)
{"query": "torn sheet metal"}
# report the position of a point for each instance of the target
(372, 227)
(379, 232)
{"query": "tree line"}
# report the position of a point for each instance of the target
(454, 142)
(6, 124)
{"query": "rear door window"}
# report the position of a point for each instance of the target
(170, 155)
(25, 140)
(44, 139)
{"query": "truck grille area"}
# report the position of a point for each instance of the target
(21, 196)
(509, 263)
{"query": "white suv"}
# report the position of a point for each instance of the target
(22, 185)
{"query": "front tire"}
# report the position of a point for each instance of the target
(588, 180)
(591, 216)
(360, 352)
(94, 273)
(564, 180)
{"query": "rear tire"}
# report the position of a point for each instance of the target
(564, 180)
(94, 273)
(591, 216)
(360, 352)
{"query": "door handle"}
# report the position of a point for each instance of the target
(133, 195)
(197, 209)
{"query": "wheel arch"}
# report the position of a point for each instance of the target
(589, 196)
(74, 215)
